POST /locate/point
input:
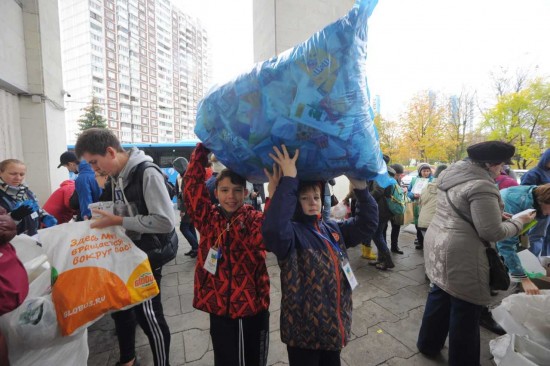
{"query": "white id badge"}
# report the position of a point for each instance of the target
(211, 262)
(34, 215)
(349, 274)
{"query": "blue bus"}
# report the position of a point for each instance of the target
(163, 154)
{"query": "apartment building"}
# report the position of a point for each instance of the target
(145, 62)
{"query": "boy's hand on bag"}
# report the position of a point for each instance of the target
(273, 179)
(107, 219)
(285, 162)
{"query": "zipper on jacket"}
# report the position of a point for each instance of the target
(228, 244)
(336, 261)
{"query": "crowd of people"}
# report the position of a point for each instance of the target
(457, 209)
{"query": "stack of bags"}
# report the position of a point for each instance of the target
(313, 97)
(526, 319)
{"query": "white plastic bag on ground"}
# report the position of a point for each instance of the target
(526, 315)
(95, 271)
(33, 336)
(514, 350)
(32, 333)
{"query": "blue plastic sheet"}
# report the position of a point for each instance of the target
(313, 97)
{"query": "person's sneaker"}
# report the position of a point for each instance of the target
(193, 253)
(190, 252)
(395, 249)
(420, 247)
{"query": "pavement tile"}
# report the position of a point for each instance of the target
(393, 283)
(401, 303)
(364, 292)
(374, 348)
(169, 291)
(368, 315)
(406, 330)
(417, 273)
(177, 350)
(274, 320)
(196, 344)
(170, 279)
(277, 350)
(171, 306)
(186, 302)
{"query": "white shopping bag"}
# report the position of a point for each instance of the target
(531, 264)
(33, 335)
(526, 315)
(94, 271)
(514, 350)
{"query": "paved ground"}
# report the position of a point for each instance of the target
(388, 308)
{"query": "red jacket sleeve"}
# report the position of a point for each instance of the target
(195, 195)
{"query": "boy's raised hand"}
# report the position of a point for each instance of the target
(285, 162)
(273, 179)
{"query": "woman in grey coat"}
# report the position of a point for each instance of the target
(454, 254)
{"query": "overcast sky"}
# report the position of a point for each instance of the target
(441, 45)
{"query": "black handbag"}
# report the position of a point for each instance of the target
(499, 280)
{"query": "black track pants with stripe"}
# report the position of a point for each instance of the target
(240, 342)
(150, 316)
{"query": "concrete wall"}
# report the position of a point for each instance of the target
(31, 104)
(282, 24)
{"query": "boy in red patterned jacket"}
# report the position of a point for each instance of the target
(231, 280)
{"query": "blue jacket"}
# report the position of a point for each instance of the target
(539, 174)
(87, 188)
(516, 199)
(29, 224)
(316, 296)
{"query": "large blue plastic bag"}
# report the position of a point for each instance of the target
(313, 97)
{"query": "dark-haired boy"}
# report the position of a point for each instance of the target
(154, 222)
(231, 280)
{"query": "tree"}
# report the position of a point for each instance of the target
(460, 121)
(425, 129)
(522, 118)
(389, 135)
(92, 117)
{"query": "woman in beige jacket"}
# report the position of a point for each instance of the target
(428, 201)
(454, 254)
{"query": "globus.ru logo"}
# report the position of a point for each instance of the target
(146, 279)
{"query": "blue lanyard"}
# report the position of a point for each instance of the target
(335, 246)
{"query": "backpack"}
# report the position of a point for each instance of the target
(170, 187)
(396, 200)
(73, 201)
(160, 248)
